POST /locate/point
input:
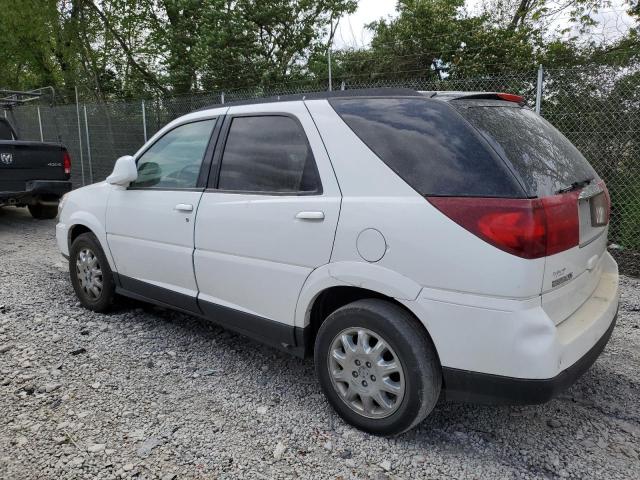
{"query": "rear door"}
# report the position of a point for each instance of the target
(548, 165)
(268, 218)
(150, 224)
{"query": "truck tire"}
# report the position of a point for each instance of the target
(377, 366)
(90, 273)
(43, 212)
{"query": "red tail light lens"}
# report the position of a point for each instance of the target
(528, 228)
(563, 221)
(66, 158)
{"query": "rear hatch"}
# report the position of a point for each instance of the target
(550, 168)
(21, 162)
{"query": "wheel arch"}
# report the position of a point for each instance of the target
(83, 222)
(335, 285)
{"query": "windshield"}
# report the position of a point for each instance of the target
(544, 159)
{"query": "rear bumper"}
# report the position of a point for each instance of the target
(466, 386)
(34, 188)
(511, 350)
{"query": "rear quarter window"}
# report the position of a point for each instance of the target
(429, 146)
(543, 158)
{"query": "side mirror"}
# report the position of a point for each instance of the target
(124, 171)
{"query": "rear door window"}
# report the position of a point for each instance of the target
(544, 159)
(429, 146)
(268, 154)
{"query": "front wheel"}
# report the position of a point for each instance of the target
(91, 275)
(377, 366)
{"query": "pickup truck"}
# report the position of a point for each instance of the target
(32, 174)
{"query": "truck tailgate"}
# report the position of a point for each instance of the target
(21, 162)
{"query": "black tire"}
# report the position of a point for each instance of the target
(103, 301)
(412, 347)
(43, 212)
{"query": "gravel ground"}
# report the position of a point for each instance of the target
(148, 393)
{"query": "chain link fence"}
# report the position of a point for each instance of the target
(596, 107)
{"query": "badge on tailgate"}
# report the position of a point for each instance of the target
(6, 158)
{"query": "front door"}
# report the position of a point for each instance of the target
(150, 224)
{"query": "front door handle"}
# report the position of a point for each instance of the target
(310, 215)
(184, 207)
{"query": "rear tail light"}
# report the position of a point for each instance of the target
(563, 221)
(66, 158)
(528, 228)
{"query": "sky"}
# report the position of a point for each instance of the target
(351, 32)
(351, 29)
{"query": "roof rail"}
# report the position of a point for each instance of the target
(356, 92)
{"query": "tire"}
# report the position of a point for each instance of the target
(404, 340)
(43, 212)
(85, 255)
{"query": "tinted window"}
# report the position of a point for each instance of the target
(429, 145)
(5, 131)
(543, 158)
(268, 154)
(174, 160)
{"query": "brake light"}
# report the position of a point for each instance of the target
(528, 228)
(563, 221)
(510, 97)
(66, 160)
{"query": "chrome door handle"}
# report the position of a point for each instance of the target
(183, 207)
(310, 215)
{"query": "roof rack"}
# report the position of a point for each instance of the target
(12, 98)
(356, 92)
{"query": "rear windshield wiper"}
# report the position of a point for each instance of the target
(575, 186)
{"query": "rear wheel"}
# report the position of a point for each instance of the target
(377, 366)
(91, 275)
(43, 212)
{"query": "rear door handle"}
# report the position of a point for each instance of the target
(310, 215)
(183, 207)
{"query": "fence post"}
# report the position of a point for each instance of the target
(342, 85)
(222, 98)
(539, 89)
(86, 128)
(40, 124)
(80, 137)
(144, 122)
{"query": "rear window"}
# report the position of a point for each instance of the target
(429, 146)
(544, 159)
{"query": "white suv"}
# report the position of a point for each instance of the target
(416, 243)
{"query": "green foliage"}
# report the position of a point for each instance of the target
(133, 48)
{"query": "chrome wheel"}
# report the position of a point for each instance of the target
(366, 373)
(89, 274)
